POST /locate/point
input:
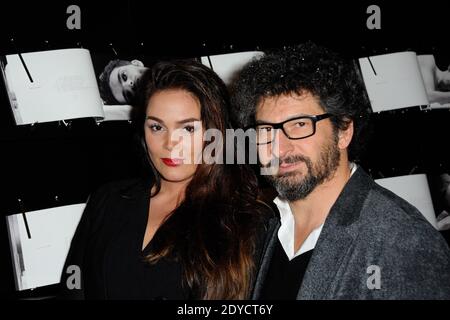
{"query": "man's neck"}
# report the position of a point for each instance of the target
(311, 212)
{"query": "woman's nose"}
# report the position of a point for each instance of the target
(171, 139)
(169, 143)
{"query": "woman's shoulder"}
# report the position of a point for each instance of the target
(109, 193)
(102, 202)
(125, 188)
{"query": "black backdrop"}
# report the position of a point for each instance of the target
(45, 162)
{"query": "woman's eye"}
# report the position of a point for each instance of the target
(155, 127)
(301, 124)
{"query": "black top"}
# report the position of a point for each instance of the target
(107, 248)
(129, 276)
(284, 277)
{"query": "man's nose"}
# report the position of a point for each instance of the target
(285, 145)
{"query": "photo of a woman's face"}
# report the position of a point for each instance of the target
(174, 133)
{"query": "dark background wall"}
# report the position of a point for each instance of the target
(38, 163)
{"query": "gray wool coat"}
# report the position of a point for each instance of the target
(373, 245)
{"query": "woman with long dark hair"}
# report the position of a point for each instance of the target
(189, 229)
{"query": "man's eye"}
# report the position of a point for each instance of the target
(300, 124)
(124, 76)
(189, 129)
(265, 129)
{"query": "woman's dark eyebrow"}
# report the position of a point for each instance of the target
(188, 120)
(179, 122)
(154, 118)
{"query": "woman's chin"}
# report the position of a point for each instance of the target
(175, 176)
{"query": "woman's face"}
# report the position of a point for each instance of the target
(174, 134)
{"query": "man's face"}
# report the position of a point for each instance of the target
(124, 79)
(304, 163)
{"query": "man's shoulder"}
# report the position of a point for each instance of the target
(391, 219)
(382, 204)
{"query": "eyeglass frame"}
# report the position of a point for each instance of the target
(280, 125)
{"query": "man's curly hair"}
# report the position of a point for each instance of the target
(334, 81)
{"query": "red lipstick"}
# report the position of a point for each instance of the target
(172, 162)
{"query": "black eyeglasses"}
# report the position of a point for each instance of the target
(296, 128)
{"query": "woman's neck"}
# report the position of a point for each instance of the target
(173, 189)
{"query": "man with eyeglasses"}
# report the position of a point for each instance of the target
(340, 235)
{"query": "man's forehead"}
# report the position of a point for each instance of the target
(116, 86)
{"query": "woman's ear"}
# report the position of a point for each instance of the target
(346, 135)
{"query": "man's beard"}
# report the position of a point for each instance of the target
(290, 186)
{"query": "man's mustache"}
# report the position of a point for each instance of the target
(289, 159)
(293, 159)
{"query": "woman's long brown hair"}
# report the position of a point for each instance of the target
(213, 233)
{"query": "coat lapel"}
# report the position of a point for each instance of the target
(325, 263)
(336, 238)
